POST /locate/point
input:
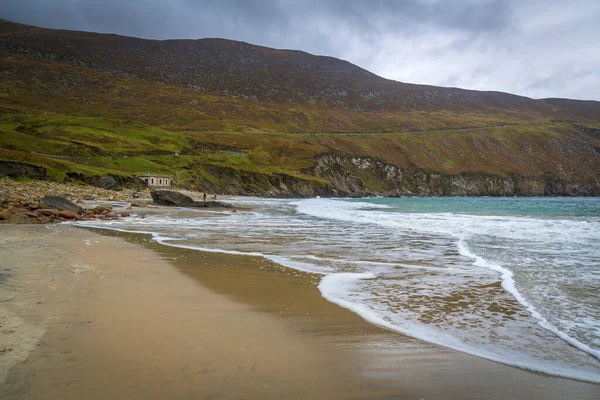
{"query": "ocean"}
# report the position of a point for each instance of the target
(514, 280)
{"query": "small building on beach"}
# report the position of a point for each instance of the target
(156, 181)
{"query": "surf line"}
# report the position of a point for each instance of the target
(508, 284)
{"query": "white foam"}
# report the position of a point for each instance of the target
(508, 284)
(337, 287)
(458, 225)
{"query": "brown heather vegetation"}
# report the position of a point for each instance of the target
(249, 119)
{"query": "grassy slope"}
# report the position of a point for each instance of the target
(100, 146)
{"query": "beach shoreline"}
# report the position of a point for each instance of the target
(145, 320)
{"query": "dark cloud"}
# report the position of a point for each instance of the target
(507, 45)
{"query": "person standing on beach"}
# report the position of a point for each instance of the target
(204, 196)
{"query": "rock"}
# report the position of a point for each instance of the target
(105, 182)
(44, 220)
(18, 170)
(19, 219)
(50, 212)
(103, 209)
(68, 214)
(125, 215)
(212, 204)
(171, 198)
(129, 208)
(4, 214)
(31, 214)
(140, 203)
(60, 203)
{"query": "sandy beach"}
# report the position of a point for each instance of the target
(95, 315)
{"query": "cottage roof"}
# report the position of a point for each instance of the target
(154, 176)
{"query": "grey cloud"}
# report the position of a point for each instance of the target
(198, 18)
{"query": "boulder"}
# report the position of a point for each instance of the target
(68, 214)
(106, 182)
(103, 209)
(50, 212)
(60, 203)
(19, 219)
(4, 214)
(213, 204)
(171, 198)
(140, 203)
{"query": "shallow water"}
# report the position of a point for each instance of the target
(514, 280)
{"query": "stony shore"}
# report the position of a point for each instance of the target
(35, 202)
(43, 202)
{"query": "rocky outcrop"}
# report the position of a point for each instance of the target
(110, 182)
(13, 169)
(176, 199)
(252, 183)
(358, 177)
(590, 131)
(171, 198)
(59, 203)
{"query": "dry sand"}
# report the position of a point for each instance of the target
(86, 315)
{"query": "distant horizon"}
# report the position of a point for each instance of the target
(538, 49)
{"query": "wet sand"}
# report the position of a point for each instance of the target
(97, 315)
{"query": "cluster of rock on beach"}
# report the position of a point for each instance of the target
(44, 202)
(41, 202)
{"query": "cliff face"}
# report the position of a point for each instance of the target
(355, 176)
(344, 176)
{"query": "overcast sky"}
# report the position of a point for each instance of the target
(536, 48)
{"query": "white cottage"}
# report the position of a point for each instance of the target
(156, 181)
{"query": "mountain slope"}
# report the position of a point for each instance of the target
(249, 119)
(247, 71)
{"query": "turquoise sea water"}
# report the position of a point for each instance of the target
(552, 207)
(516, 280)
